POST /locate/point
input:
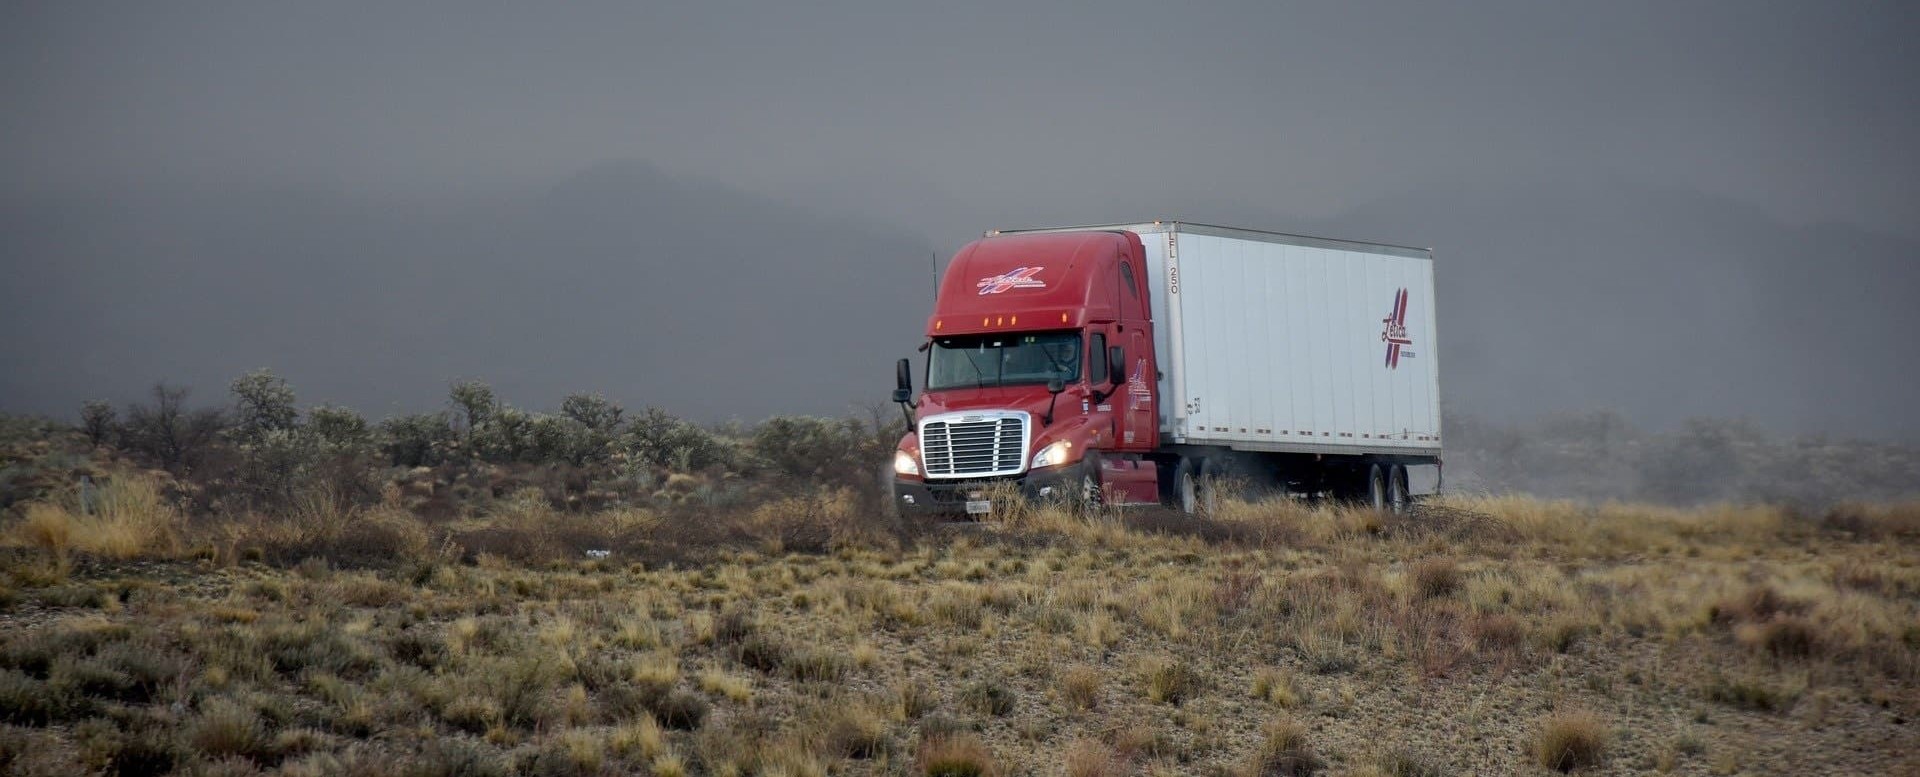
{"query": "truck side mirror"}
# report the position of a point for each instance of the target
(903, 382)
(1116, 365)
(1056, 386)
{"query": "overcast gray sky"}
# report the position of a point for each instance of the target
(1807, 109)
(932, 122)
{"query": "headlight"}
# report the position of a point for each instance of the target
(904, 464)
(1060, 452)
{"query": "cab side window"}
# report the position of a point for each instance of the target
(1097, 362)
(1126, 274)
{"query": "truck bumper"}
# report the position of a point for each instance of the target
(948, 498)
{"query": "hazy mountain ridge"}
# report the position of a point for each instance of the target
(660, 289)
(650, 288)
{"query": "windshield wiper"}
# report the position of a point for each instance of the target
(1057, 369)
(979, 377)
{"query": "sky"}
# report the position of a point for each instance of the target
(919, 126)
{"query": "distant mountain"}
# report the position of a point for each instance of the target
(1662, 304)
(651, 288)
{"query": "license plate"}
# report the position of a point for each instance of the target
(979, 507)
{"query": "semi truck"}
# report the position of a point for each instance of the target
(1168, 362)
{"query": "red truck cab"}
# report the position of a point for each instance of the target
(1040, 370)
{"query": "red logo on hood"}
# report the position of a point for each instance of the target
(1017, 278)
(1395, 334)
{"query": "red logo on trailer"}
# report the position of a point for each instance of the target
(1395, 334)
(1017, 278)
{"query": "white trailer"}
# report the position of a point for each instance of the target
(1302, 355)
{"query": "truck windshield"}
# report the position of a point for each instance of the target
(1003, 360)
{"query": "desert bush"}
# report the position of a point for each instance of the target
(553, 439)
(661, 440)
(226, 727)
(419, 440)
(474, 402)
(99, 422)
(29, 701)
(504, 435)
(263, 404)
(171, 434)
(339, 430)
(817, 450)
(275, 464)
(1570, 740)
(988, 697)
(1754, 692)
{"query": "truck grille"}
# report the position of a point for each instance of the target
(974, 445)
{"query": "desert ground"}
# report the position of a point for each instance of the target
(810, 635)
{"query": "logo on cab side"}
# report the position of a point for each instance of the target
(1017, 278)
(1395, 334)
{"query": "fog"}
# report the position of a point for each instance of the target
(728, 210)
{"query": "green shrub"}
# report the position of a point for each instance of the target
(421, 440)
(661, 440)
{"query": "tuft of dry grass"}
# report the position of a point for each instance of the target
(1571, 740)
(1435, 577)
(1285, 752)
(1169, 681)
(125, 517)
(1080, 687)
(1278, 687)
(956, 755)
(1093, 758)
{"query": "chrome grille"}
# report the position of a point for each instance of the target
(974, 445)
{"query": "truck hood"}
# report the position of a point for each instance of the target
(1032, 399)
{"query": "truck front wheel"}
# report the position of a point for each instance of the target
(1180, 487)
(1093, 493)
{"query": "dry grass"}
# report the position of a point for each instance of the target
(1572, 740)
(123, 518)
(1047, 641)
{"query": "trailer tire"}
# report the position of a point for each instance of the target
(1376, 494)
(1212, 479)
(1398, 500)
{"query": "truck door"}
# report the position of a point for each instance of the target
(1138, 418)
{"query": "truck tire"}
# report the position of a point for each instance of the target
(1180, 489)
(1091, 494)
(1398, 500)
(1376, 493)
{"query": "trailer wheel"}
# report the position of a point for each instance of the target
(1398, 499)
(1376, 488)
(1211, 481)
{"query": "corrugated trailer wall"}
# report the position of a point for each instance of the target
(1273, 342)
